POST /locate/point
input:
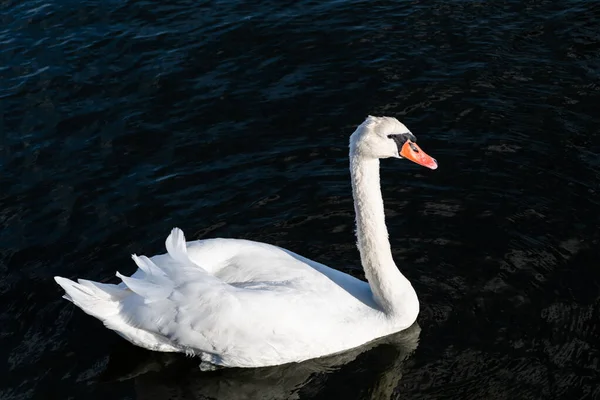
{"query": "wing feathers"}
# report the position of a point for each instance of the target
(152, 271)
(148, 290)
(177, 248)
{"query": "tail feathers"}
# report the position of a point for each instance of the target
(105, 291)
(98, 300)
(89, 297)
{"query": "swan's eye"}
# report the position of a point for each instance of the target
(398, 137)
(401, 138)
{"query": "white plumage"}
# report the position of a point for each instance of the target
(239, 303)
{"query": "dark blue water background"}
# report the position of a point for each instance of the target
(121, 119)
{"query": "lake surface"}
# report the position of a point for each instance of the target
(122, 119)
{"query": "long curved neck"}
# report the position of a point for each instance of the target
(391, 290)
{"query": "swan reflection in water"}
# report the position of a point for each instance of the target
(372, 371)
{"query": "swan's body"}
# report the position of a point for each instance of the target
(239, 303)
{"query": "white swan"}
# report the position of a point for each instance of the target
(238, 303)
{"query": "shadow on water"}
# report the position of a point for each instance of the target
(372, 371)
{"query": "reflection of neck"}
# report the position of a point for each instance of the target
(391, 290)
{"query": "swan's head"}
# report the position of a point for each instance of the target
(385, 137)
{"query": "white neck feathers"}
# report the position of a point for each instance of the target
(391, 290)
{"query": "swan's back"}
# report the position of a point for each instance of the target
(245, 263)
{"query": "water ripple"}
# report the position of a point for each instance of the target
(122, 119)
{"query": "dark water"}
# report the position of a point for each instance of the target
(121, 119)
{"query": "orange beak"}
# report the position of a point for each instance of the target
(414, 153)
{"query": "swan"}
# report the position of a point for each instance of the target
(240, 303)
